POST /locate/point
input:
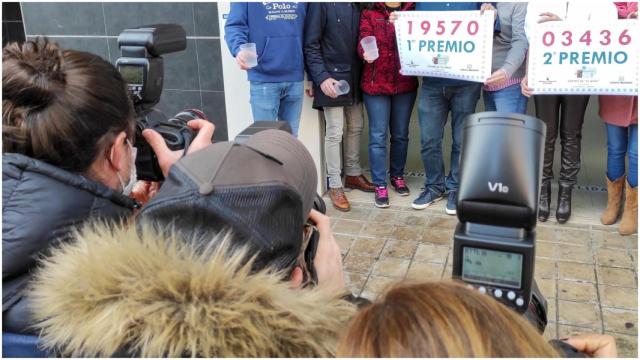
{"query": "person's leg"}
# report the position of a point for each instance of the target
(401, 108)
(510, 100)
(617, 139)
(632, 174)
(354, 122)
(378, 111)
(265, 100)
(629, 221)
(547, 110)
(489, 100)
(573, 110)
(291, 105)
(334, 119)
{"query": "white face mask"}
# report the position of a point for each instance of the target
(133, 176)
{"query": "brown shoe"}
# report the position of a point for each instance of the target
(629, 222)
(614, 201)
(339, 199)
(359, 182)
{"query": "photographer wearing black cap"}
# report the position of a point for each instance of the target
(68, 156)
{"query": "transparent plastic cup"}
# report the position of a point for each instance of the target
(370, 47)
(249, 54)
(342, 87)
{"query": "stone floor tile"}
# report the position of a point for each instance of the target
(357, 214)
(344, 241)
(354, 282)
(438, 236)
(545, 268)
(547, 287)
(614, 258)
(546, 233)
(616, 276)
(383, 215)
(369, 246)
(620, 321)
(391, 267)
(627, 345)
(551, 331)
(331, 211)
(400, 249)
(619, 297)
(577, 291)
(359, 263)
(546, 249)
(407, 233)
(578, 314)
(378, 230)
(573, 236)
(565, 331)
(412, 219)
(580, 253)
(447, 222)
(425, 271)
(576, 271)
(431, 253)
(608, 239)
(376, 285)
(350, 227)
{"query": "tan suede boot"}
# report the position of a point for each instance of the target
(629, 222)
(614, 201)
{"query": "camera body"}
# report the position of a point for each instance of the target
(497, 205)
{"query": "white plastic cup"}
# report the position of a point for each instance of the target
(342, 87)
(370, 47)
(249, 54)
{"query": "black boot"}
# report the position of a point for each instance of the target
(563, 213)
(545, 201)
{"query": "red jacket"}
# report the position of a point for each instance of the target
(382, 77)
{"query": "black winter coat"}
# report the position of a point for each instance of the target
(41, 204)
(331, 50)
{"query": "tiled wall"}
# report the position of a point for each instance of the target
(193, 77)
(12, 27)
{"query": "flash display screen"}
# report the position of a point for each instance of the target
(492, 267)
(132, 75)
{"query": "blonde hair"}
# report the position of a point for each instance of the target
(440, 319)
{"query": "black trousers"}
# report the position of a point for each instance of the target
(562, 114)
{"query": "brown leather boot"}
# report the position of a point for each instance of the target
(359, 182)
(614, 201)
(629, 222)
(339, 199)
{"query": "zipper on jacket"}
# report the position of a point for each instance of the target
(373, 77)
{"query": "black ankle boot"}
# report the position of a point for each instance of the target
(563, 213)
(545, 201)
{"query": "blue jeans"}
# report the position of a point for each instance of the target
(277, 101)
(509, 99)
(388, 113)
(433, 109)
(620, 142)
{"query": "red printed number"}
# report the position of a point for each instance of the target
(548, 38)
(624, 39)
(567, 38)
(607, 37)
(586, 38)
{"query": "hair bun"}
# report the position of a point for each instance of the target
(31, 73)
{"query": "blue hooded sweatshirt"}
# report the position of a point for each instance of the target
(277, 29)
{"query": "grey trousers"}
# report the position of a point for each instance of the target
(335, 118)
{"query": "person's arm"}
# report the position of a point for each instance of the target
(313, 33)
(519, 44)
(236, 29)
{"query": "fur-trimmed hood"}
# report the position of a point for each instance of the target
(118, 289)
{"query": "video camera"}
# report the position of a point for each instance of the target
(497, 205)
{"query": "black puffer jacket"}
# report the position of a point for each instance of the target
(331, 50)
(40, 205)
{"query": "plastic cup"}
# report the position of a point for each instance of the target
(370, 47)
(249, 54)
(342, 87)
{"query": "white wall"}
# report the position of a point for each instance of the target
(236, 95)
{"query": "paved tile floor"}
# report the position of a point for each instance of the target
(587, 272)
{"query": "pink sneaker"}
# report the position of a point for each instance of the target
(382, 197)
(399, 185)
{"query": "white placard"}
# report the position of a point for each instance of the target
(448, 44)
(584, 58)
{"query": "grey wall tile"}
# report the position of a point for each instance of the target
(181, 69)
(63, 18)
(11, 11)
(120, 16)
(210, 65)
(92, 45)
(174, 101)
(214, 106)
(206, 15)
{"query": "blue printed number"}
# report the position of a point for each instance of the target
(547, 60)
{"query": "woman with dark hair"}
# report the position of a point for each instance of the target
(68, 156)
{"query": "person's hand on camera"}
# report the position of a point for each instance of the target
(328, 88)
(144, 190)
(240, 60)
(309, 89)
(594, 345)
(168, 157)
(328, 260)
(524, 87)
(497, 78)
